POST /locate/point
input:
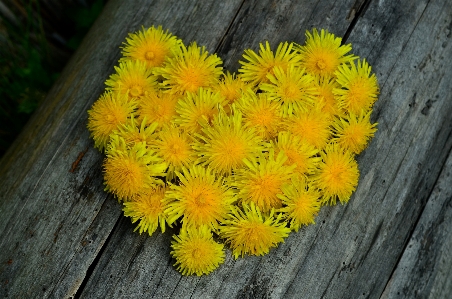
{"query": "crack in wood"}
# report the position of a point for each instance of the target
(404, 46)
(93, 265)
(413, 228)
(168, 265)
(226, 34)
(358, 9)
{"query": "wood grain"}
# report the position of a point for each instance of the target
(55, 222)
(425, 268)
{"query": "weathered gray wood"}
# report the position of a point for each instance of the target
(408, 46)
(53, 221)
(142, 267)
(353, 249)
(275, 22)
(425, 269)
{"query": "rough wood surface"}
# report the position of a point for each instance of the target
(59, 226)
(425, 269)
(54, 221)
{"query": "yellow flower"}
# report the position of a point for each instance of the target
(196, 252)
(359, 89)
(157, 107)
(225, 144)
(354, 132)
(133, 134)
(191, 69)
(127, 172)
(301, 203)
(260, 113)
(323, 53)
(312, 127)
(201, 198)
(174, 146)
(324, 86)
(147, 208)
(195, 107)
(256, 68)
(106, 114)
(298, 152)
(250, 232)
(132, 78)
(338, 175)
(231, 87)
(293, 88)
(261, 181)
(151, 46)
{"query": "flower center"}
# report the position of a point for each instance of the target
(196, 253)
(192, 79)
(201, 200)
(136, 91)
(154, 206)
(321, 64)
(149, 55)
(253, 236)
(291, 93)
(175, 148)
(357, 92)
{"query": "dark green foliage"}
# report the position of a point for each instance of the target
(83, 18)
(30, 62)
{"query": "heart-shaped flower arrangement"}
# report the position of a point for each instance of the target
(245, 158)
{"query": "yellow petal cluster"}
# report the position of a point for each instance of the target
(242, 158)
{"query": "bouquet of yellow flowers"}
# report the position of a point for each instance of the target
(244, 157)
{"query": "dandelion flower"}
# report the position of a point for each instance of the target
(151, 46)
(322, 54)
(134, 133)
(107, 113)
(251, 232)
(196, 252)
(354, 132)
(324, 86)
(225, 144)
(191, 69)
(127, 172)
(293, 88)
(301, 203)
(338, 175)
(312, 127)
(260, 113)
(174, 146)
(132, 78)
(359, 89)
(231, 87)
(201, 198)
(298, 152)
(256, 67)
(262, 179)
(159, 107)
(147, 208)
(193, 107)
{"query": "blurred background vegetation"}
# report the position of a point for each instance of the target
(37, 37)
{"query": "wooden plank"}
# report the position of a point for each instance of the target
(425, 269)
(280, 21)
(55, 214)
(408, 46)
(121, 274)
(353, 249)
(346, 254)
